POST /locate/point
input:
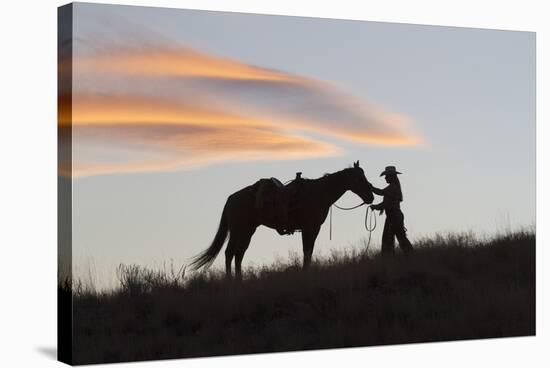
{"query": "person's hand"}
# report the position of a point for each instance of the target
(377, 207)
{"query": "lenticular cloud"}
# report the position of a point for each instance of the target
(174, 108)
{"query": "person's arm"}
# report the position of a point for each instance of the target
(378, 191)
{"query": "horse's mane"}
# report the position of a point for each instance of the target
(327, 175)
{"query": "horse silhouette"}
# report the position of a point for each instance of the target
(306, 203)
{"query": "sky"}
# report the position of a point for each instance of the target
(174, 110)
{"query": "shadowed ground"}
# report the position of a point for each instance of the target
(453, 287)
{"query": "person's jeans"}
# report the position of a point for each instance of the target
(394, 227)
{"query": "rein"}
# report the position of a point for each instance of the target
(370, 221)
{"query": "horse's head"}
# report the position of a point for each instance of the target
(359, 184)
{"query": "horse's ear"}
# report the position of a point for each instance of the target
(356, 164)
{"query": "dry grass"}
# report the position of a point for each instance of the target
(453, 287)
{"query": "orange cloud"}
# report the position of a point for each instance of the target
(99, 109)
(180, 61)
(174, 108)
(123, 148)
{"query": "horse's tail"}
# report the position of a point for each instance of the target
(207, 257)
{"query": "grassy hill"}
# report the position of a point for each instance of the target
(453, 287)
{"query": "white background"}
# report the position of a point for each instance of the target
(28, 187)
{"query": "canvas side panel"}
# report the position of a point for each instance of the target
(64, 183)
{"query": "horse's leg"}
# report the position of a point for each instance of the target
(240, 248)
(308, 242)
(229, 254)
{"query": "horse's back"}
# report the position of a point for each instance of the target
(270, 203)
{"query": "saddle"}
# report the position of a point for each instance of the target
(276, 202)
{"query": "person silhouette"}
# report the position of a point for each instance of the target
(394, 226)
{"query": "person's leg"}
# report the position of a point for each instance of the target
(388, 238)
(401, 234)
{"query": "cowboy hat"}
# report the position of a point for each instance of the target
(389, 170)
